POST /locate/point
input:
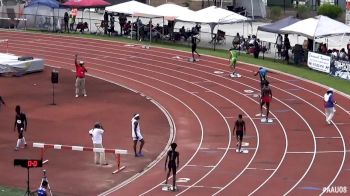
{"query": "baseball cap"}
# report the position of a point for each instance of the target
(330, 89)
(81, 62)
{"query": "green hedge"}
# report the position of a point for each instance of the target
(275, 13)
(332, 11)
(303, 12)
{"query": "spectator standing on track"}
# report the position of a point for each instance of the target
(1, 102)
(21, 124)
(266, 97)
(96, 136)
(173, 164)
(136, 134)
(80, 77)
(42, 189)
(233, 60)
(194, 40)
(240, 131)
(329, 104)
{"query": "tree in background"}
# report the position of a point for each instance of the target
(332, 11)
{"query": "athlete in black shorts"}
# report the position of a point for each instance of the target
(194, 40)
(240, 131)
(173, 163)
(21, 124)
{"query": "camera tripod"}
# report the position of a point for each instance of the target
(44, 178)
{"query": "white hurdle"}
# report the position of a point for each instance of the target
(117, 152)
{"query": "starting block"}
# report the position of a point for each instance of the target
(191, 60)
(245, 144)
(264, 120)
(167, 187)
(236, 75)
(244, 151)
(260, 115)
(145, 47)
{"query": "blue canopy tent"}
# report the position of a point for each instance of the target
(278, 25)
(53, 4)
(49, 3)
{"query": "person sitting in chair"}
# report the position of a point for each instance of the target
(82, 26)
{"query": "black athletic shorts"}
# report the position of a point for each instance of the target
(194, 47)
(239, 134)
(172, 166)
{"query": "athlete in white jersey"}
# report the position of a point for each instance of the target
(136, 134)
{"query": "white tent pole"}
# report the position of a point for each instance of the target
(36, 13)
(163, 28)
(90, 21)
(243, 30)
(150, 30)
(132, 19)
(251, 2)
(221, 4)
(314, 44)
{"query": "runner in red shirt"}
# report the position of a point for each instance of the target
(266, 97)
(80, 77)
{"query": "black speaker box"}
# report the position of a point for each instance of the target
(54, 77)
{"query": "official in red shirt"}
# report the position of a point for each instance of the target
(80, 77)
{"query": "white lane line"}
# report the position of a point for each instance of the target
(265, 169)
(139, 74)
(319, 96)
(318, 152)
(197, 186)
(201, 166)
(328, 137)
(343, 139)
(237, 148)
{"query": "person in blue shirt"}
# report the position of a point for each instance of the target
(263, 75)
(329, 104)
(42, 189)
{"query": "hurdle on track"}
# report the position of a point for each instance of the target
(6, 41)
(117, 152)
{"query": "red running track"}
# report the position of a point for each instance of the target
(297, 154)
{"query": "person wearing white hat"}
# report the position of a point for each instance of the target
(136, 134)
(80, 71)
(329, 104)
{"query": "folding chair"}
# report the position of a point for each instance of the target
(220, 38)
(99, 28)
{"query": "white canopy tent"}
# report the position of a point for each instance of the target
(172, 11)
(318, 27)
(213, 16)
(135, 8)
